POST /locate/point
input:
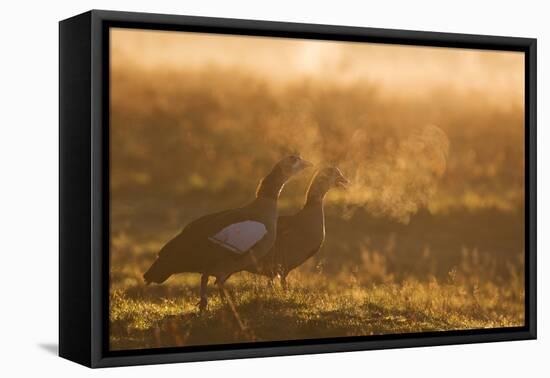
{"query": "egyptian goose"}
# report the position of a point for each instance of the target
(301, 235)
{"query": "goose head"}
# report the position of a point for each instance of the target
(330, 177)
(271, 185)
(293, 164)
(324, 180)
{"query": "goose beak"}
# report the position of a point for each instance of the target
(342, 182)
(305, 164)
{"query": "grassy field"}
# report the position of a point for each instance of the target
(166, 316)
(391, 283)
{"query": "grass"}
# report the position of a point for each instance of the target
(372, 277)
(313, 307)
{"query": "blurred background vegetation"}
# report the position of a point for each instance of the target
(431, 138)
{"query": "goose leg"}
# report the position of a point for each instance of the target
(284, 284)
(227, 298)
(204, 297)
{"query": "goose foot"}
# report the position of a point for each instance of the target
(284, 284)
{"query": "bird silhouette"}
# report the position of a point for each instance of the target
(301, 235)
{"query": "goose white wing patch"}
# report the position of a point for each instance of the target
(240, 237)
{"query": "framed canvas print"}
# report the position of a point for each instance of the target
(234, 188)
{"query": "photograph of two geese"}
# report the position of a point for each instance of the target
(269, 189)
(253, 237)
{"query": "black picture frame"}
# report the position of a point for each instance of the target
(84, 187)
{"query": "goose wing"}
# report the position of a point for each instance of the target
(213, 239)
